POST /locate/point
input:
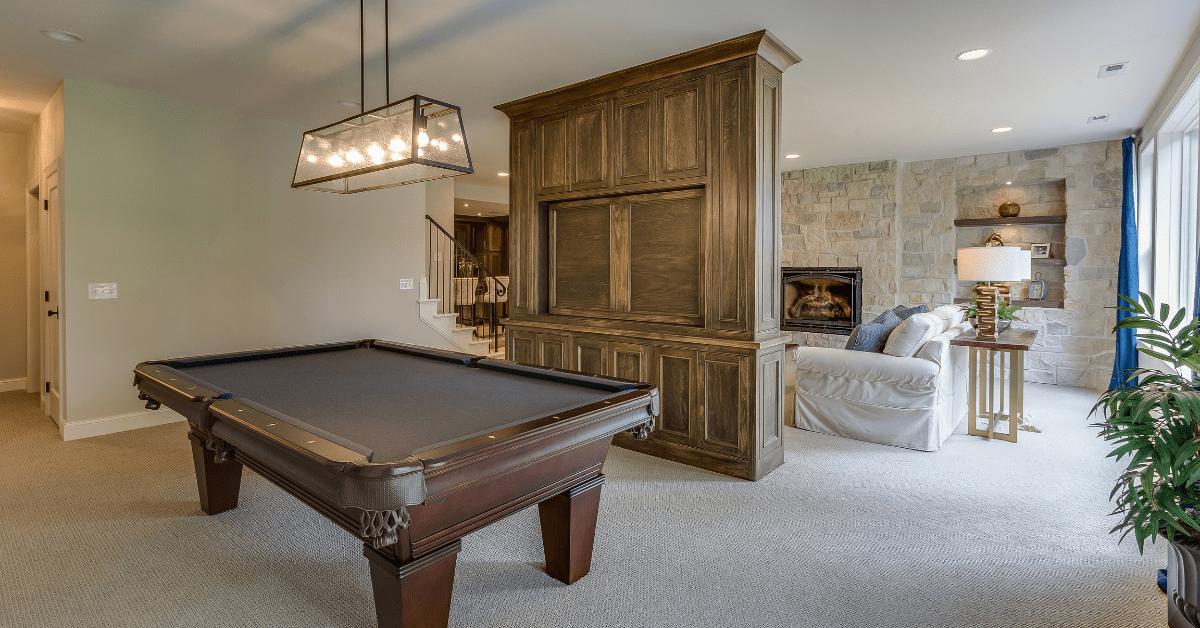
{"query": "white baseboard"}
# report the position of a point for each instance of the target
(7, 385)
(119, 423)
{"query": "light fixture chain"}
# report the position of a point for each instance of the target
(362, 56)
(387, 56)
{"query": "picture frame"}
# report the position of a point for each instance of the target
(1040, 251)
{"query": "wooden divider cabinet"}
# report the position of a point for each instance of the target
(645, 244)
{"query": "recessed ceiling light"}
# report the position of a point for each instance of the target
(1002, 129)
(57, 35)
(791, 156)
(466, 204)
(973, 54)
(350, 103)
(1008, 183)
(502, 174)
(478, 214)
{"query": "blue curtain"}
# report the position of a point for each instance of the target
(1127, 271)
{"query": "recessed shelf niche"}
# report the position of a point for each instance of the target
(1043, 219)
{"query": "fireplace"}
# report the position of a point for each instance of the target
(822, 300)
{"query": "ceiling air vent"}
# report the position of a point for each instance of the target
(1097, 119)
(1113, 69)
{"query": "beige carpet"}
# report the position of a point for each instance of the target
(107, 532)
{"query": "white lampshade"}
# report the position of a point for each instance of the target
(993, 263)
(1027, 264)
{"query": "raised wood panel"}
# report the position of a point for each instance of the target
(681, 131)
(589, 142)
(724, 404)
(552, 351)
(552, 155)
(522, 347)
(580, 257)
(729, 224)
(675, 376)
(770, 413)
(591, 356)
(521, 193)
(629, 361)
(768, 232)
(632, 153)
(665, 268)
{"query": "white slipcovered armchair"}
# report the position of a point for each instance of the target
(914, 402)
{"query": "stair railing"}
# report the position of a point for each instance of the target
(450, 269)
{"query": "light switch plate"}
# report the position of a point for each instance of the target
(102, 290)
(406, 284)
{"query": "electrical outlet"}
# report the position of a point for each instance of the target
(406, 284)
(102, 290)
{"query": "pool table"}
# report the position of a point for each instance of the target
(407, 448)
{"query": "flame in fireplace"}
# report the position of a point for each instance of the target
(821, 305)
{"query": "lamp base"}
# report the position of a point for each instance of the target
(986, 297)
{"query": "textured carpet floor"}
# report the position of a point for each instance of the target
(107, 532)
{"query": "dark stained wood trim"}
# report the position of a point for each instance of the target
(762, 43)
(1009, 222)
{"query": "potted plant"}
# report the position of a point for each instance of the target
(1154, 420)
(1006, 313)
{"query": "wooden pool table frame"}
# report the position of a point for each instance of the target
(556, 464)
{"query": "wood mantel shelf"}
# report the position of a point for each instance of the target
(1024, 302)
(1010, 222)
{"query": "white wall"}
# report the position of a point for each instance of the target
(12, 261)
(189, 210)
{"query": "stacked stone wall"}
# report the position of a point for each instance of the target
(844, 216)
(911, 258)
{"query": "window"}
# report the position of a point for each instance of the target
(1169, 183)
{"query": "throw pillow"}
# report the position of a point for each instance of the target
(912, 334)
(904, 312)
(872, 336)
(951, 315)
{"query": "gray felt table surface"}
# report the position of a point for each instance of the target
(395, 405)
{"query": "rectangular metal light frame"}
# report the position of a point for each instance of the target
(418, 119)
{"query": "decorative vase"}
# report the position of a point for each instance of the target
(1009, 209)
(1183, 584)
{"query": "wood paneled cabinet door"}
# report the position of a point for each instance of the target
(680, 129)
(553, 351)
(629, 361)
(725, 402)
(572, 149)
(522, 347)
(590, 356)
(675, 374)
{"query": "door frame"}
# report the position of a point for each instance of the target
(33, 285)
(51, 184)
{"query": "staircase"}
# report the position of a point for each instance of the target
(456, 282)
(447, 325)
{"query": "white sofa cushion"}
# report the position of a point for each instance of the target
(951, 315)
(913, 333)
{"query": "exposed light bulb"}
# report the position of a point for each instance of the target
(456, 137)
(443, 145)
(375, 151)
(395, 156)
(422, 139)
(377, 160)
(420, 152)
(354, 156)
(397, 145)
(335, 161)
(312, 158)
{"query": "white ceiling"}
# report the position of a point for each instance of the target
(878, 81)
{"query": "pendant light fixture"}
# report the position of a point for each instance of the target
(408, 141)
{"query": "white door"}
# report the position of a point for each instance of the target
(52, 322)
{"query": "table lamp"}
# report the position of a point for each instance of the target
(988, 264)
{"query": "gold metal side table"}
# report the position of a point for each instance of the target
(996, 380)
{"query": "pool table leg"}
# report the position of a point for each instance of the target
(569, 529)
(219, 482)
(413, 594)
